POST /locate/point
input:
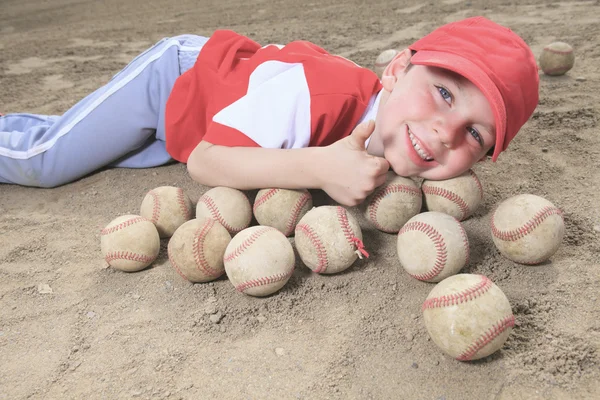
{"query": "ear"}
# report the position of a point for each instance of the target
(395, 69)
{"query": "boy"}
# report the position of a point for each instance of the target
(246, 116)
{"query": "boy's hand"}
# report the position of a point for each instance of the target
(350, 173)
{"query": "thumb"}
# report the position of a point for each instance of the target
(361, 133)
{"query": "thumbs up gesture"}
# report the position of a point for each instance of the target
(350, 174)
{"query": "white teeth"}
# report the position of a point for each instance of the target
(418, 148)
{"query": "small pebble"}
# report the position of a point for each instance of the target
(216, 318)
(544, 150)
(580, 79)
(90, 314)
(414, 365)
(409, 336)
(597, 228)
(44, 288)
(210, 308)
(413, 316)
(261, 318)
(280, 351)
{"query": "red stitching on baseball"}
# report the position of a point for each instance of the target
(198, 249)
(155, 206)
(183, 206)
(291, 224)
(214, 211)
(264, 281)
(323, 262)
(354, 241)
(487, 337)
(395, 188)
(465, 238)
(174, 264)
(458, 298)
(246, 243)
(447, 194)
(477, 182)
(527, 227)
(127, 255)
(262, 199)
(440, 247)
(124, 224)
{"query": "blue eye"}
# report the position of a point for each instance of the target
(445, 93)
(476, 135)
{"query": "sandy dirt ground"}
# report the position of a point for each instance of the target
(71, 328)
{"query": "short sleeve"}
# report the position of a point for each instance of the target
(274, 113)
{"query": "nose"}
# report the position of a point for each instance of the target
(450, 128)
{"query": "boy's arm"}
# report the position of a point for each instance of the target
(344, 169)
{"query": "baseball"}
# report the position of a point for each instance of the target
(527, 229)
(458, 197)
(329, 239)
(393, 203)
(468, 316)
(129, 243)
(167, 207)
(259, 260)
(432, 246)
(383, 59)
(196, 249)
(557, 58)
(229, 207)
(281, 208)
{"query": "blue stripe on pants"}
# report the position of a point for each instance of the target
(121, 124)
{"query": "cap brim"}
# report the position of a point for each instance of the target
(478, 77)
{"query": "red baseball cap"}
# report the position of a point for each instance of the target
(496, 60)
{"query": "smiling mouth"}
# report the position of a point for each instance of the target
(417, 145)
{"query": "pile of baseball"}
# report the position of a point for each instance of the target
(466, 315)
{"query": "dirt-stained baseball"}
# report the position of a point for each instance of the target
(383, 59)
(259, 260)
(230, 207)
(167, 207)
(459, 196)
(527, 229)
(130, 243)
(329, 239)
(557, 58)
(281, 208)
(468, 316)
(432, 246)
(393, 203)
(196, 249)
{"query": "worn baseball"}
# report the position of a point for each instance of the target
(527, 229)
(196, 249)
(281, 208)
(130, 243)
(557, 58)
(329, 239)
(229, 207)
(259, 260)
(432, 246)
(167, 207)
(383, 59)
(468, 316)
(393, 203)
(459, 197)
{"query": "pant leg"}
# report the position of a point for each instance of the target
(122, 123)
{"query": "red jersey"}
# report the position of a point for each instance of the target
(241, 94)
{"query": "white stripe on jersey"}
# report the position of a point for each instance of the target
(275, 112)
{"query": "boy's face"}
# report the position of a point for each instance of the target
(432, 122)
